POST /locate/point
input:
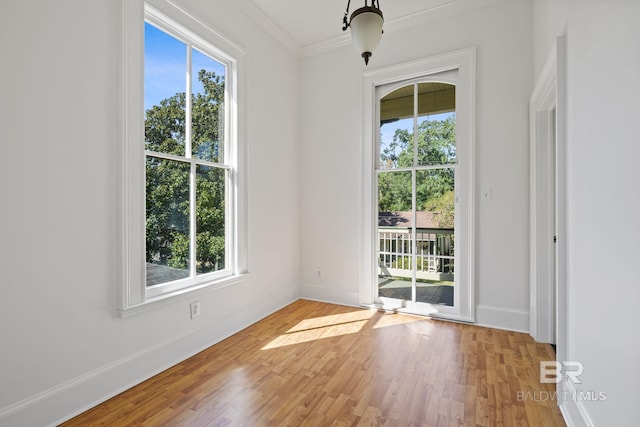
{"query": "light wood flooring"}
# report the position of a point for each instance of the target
(318, 364)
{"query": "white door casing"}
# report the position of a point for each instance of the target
(425, 70)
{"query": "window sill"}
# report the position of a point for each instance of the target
(171, 297)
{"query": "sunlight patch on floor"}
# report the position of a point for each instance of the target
(323, 327)
(395, 319)
(335, 319)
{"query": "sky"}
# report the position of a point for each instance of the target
(165, 66)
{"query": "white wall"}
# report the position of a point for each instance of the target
(550, 21)
(603, 149)
(62, 345)
(331, 162)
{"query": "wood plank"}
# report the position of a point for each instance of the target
(321, 364)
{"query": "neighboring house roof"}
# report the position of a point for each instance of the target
(424, 220)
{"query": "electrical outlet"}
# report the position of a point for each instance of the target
(195, 309)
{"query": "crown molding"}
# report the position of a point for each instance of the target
(326, 45)
(262, 19)
(443, 10)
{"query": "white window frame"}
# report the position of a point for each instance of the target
(464, 62)
(134, 294)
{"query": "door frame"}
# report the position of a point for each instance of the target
(465, 62)
(547, 151)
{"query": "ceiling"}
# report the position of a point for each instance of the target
(307, 25)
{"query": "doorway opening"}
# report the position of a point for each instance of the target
(548, 221)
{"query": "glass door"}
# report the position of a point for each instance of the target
(416, 196)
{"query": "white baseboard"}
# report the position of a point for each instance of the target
(73, 397)
(573, 411)
(330, 294)
(490, 316)
(502, 318)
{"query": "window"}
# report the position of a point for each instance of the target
(185, 219)
(188, 173)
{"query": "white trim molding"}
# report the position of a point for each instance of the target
(464, 62)
(509, 319)
(73, 397)
(549, 309)
(542, 106)
(422, 17)
(267, 24)
(168, 14)
(329, 294)
(571, 407)
(548, 194)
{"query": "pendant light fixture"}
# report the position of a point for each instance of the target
(366, 27)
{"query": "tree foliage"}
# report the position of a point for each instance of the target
(434, 187)
(443, 209)
(436, 145)
(167, 181)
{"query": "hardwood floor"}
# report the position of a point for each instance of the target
(317, 364)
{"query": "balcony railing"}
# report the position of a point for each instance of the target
(434, 254)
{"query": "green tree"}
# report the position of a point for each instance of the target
(436, 145)
(167, 181)
(434, 188)
(443, 209)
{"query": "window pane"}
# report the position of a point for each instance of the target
(396, 129)
(395, 225)
(435, 236)
(167, 221)
(436, 124)
(210, 219)
(208, 77)
(165, 61)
